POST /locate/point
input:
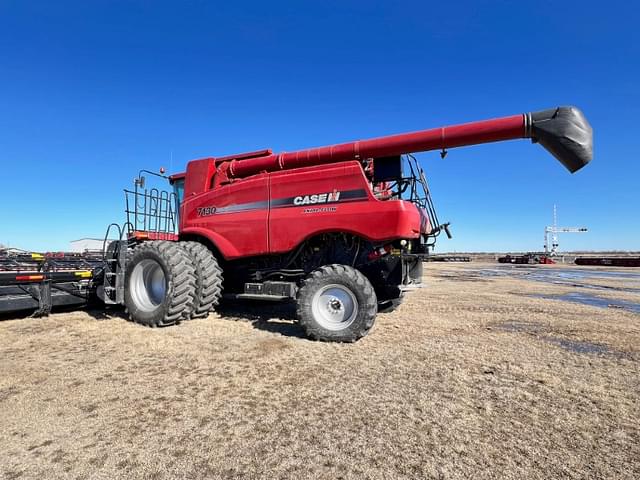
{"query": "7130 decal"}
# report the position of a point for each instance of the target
(206, 211)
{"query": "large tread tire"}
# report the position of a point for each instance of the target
(180, 284)
(208, 279)
(353, 280)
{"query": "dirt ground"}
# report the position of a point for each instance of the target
(471, 378)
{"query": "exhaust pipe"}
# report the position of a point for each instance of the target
(564, 132)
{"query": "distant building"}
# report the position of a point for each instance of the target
(83, 244)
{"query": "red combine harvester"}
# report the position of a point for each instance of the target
(342, 230)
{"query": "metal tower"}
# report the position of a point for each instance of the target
(554, 230)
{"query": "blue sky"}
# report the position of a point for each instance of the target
(90, 92)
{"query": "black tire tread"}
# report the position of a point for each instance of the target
(208, 275)
(182, 282)
(316, 280)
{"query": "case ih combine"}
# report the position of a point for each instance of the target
(342, 230)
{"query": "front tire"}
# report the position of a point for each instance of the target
(208, 279)
(337, 303)
(159, 284)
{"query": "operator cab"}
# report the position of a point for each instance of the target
(389, 182)
(178, 189)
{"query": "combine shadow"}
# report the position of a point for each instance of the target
(18, 315)
(268, 316)
(105, 313)
(28, 314)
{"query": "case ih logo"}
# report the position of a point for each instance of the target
(317, 198)
(336, 196)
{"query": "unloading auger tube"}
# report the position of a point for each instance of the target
(563, 131)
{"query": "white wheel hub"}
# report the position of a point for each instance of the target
(334, 307)
(148, 285)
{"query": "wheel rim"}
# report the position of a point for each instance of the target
(148, 285)
(334, 307)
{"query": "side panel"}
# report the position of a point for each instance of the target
(337, 197)
(236, 213)
(198, 176)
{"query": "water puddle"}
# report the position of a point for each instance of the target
(565, 277)
(578, 346)
(520, 327)
(463, 278)
(591, 300)
(575, 346)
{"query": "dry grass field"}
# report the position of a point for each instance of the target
(471, 378)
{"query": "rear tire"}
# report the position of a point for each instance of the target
(208, 279)
(160, 284)
(337, 303)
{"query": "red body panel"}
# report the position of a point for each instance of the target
(291, 224)
(273, 213)
(199, 174)
(234, 217)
